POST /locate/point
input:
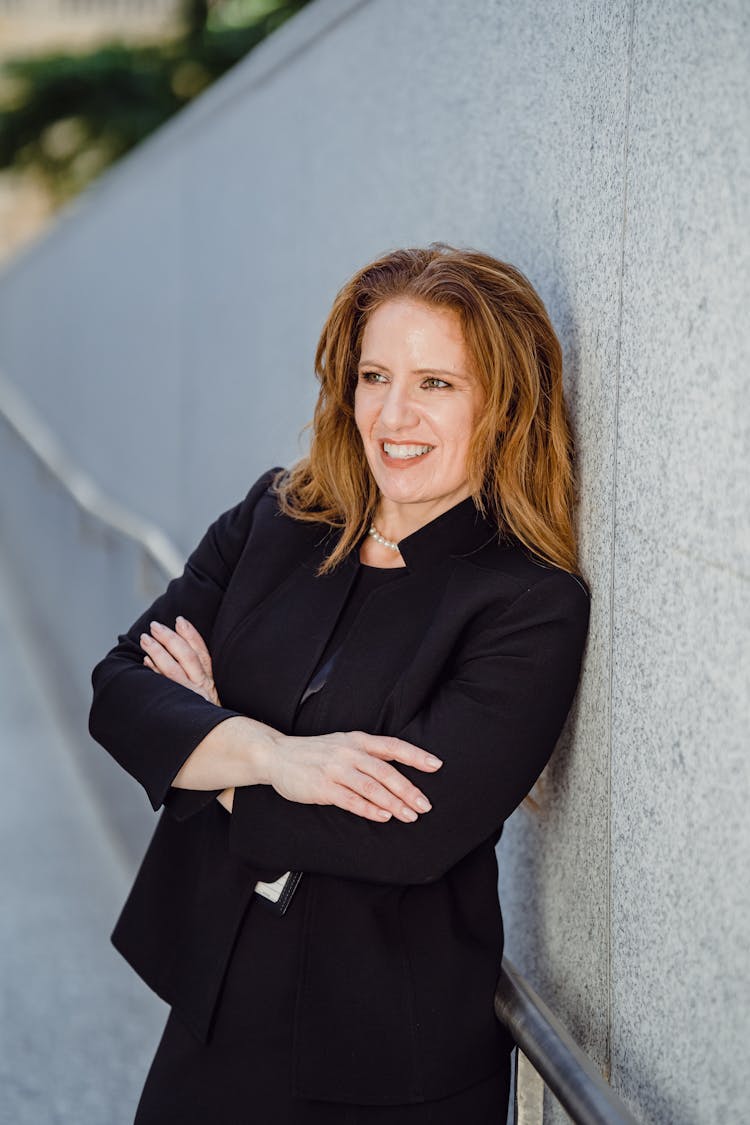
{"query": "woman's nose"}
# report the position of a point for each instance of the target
(398, 410)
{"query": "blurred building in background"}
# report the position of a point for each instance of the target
(31, 25)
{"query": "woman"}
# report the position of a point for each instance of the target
(362, 671)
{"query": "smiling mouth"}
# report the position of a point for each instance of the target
(405, 452)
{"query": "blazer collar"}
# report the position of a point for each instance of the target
(459, 530)
(315, 603)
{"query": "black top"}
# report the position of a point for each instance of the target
(368, 578)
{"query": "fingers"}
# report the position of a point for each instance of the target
(172, 654)
(386, 786)
(184, 659)
(161, 659)
(187, 630)
(352, 802)
(388, 747)
(376, 785)
(395, 794)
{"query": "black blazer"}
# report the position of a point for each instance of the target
(476, 656)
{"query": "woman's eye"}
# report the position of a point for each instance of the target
(370, 376)
(376, 377)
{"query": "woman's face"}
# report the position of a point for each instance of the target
(415, 405)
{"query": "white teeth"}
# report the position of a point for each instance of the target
(403, 451)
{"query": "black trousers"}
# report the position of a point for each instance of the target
(243, 1076)
(184, 1088)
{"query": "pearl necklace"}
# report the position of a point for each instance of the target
(382, 539)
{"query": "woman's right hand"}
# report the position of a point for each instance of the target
(350, 770)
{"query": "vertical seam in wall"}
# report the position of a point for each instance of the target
(623, 226)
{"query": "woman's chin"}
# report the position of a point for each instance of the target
(402, 482)
(400, 489)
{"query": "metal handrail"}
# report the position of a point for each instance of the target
(81, 487)
(568, 1072)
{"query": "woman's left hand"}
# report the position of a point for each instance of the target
(181, 655)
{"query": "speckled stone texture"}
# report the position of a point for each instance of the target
(680, 765)
(603, 149)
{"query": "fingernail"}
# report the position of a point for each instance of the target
(423, 804)
(179, 619)
(384, 814)
(409, 813)
(156, 625)
(145, 639)
(433, 761)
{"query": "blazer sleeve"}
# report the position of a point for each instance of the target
(147, 722)
(494, 723)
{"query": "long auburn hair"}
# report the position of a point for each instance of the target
(520, 463)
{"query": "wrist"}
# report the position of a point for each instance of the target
(259, 750)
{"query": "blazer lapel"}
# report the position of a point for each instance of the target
(273, 664)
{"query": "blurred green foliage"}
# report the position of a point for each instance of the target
(66, 117)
